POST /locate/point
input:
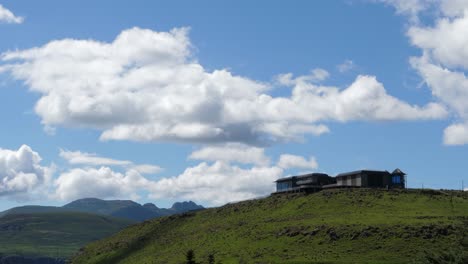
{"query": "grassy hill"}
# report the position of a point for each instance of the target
(54, 234)
(334, 226)
(30, 209)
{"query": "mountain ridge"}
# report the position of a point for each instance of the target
(126, 209)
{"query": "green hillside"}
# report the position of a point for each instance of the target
(53, 234)
(334, 226)
(30, 209)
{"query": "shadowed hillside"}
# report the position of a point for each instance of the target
(53, 234)
(334, 226)
(33, 234)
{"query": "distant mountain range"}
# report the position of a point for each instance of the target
(125, 209)
(49, 234)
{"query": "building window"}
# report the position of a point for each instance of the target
(281, 186)
(396, 179)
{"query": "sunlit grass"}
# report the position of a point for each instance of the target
(335, 226)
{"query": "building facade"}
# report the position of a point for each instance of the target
(304, 183)
(314, 182)
(372, 179)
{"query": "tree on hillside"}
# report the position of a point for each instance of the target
(211, 259)
(190, 256)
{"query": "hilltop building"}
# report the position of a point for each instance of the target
(309, 182)
(314, 182)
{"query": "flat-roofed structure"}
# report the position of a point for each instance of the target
(314, 182)
(371, 179)
(311, 182)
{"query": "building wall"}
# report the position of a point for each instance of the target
(351, 180)
(359, 181)
(364, 181)
(368, 179)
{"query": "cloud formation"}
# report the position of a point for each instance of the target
(21, 172)
(6, 16)
(346, 66)
(227, 173)
(146, 86)
(92, 159)
(83, 158)
(444, 63)
(232, 152)
(411, 8)
(218, 183)
(102, 182)
(228, 178)
(288, 161)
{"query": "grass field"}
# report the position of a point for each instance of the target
(334, 226)
(53, 234)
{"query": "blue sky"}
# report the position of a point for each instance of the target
(217, 100)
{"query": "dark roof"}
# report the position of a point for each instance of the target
(397, 171)
(360, 172)
(302, 176)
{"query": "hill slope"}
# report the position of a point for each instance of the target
(31, 209)
(334, 226)
(53, 234)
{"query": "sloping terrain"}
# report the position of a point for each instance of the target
(48, 234)
(30, 209)
(53, 234)
(333, 226)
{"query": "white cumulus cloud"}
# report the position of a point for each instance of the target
(21, 172)
(232, 152)
(446, 42)
(453, 8)
(6, 16)
(456, 134)
(223, 180)
(147, 86)
(241, 172)
(83, 158)
(287, 161)
(92, 159)
(218, 183)
(364, 99)
(443, 64)
(102, 183)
